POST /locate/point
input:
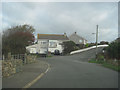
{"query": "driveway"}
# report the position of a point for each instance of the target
(74, 71)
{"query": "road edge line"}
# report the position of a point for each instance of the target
(37, 78)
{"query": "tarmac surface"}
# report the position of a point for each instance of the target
(72, 71)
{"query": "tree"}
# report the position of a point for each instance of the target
(113, 50)
(69, 46)
(15, 39)
(104, 42)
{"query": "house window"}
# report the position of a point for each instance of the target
(52, 44)
(80, 41)
(60, 43)
(43, 44)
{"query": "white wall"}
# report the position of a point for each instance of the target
(85, 42)
(42, 46)
(33, 50)
(58, 47)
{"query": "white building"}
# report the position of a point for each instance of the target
(48, 43)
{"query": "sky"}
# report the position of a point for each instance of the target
(64, 17)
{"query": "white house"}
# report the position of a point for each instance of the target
(48, 43)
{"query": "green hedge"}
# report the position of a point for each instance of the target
(69, 46)
(113, 50)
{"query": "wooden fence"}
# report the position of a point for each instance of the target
(20, 56)
(24, 57)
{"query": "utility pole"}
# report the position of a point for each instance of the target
(96, 40)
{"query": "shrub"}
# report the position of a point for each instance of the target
(113, 50)
(80, 46)
(100, 58)
(69, 46)
(86, 45)
(104, 42)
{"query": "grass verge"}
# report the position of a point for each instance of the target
(106, 64)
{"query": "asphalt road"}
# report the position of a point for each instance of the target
(0, 74)
(75, 72)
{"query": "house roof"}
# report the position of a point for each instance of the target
(52, 36)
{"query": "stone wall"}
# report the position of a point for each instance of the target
(30, 59)
(10, 67)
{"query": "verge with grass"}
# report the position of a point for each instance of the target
(106, 64)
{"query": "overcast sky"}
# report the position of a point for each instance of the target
(69, 17)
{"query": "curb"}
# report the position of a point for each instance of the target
(37, 78)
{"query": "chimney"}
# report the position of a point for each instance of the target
(75, 32)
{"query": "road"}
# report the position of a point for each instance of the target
(0, 74)
(74, 71)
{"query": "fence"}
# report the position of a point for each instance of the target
(25, 58)
(19, 56)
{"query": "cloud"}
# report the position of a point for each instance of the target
(58, 18)
(107, 33)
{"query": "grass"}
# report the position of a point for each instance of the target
(116, 68)
(106, 64)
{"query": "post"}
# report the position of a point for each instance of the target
(3, 57)
(25, 58)
(96, 40)
(9, 56)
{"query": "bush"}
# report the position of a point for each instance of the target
(100, 58)
(103, 42)
(80, 46)
(91, 44)
(69, 46)
(113, 50)
(86, 45)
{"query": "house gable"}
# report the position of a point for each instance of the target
(77, 39)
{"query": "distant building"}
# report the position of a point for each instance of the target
(77, 39)
(48, 43)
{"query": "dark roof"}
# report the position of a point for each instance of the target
(52, 37)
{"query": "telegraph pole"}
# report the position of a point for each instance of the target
(96, 40)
